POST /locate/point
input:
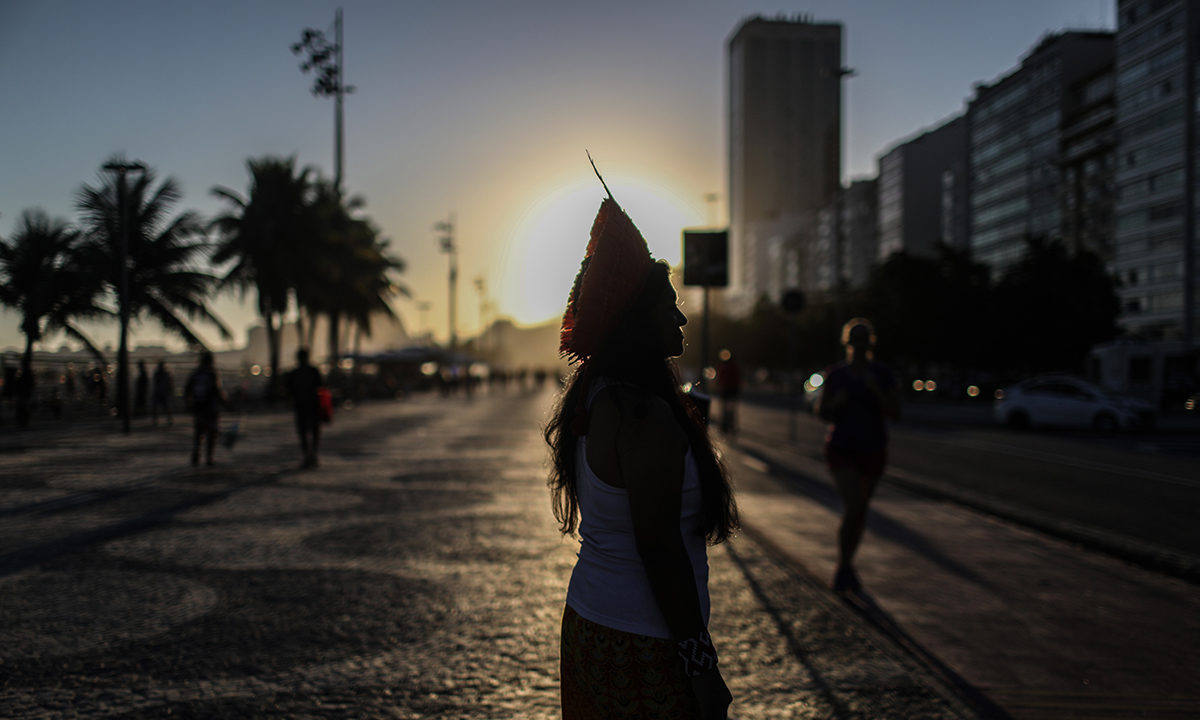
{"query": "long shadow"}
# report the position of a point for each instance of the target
(864, 604)
(33, 555)
(795, 646)
(30, 556)
(879, 523)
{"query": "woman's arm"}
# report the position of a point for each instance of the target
(651, 447)
(831, 400)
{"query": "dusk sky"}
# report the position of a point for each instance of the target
(483, 109)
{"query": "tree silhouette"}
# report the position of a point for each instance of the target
(266, 235)
(43, 278)
(351, 273)
(1052, 306)
(164, 252)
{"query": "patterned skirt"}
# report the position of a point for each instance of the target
(612, 675)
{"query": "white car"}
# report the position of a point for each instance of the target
(1068, 401)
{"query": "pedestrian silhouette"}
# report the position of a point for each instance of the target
(857, 397)
(304, 384)
(202, 394)
(161, 395)
(141, 387)
(634, 472)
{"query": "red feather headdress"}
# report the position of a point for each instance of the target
(611, 276)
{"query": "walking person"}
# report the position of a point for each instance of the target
(160, 396)
(857, 398)
(202, 394)
(141, 388)
(303, 383)
(634, 473)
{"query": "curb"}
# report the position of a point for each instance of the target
(1139, 552)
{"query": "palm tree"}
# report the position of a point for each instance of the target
(43, 278)
(353, 278)
(164, 252)
(265, 235)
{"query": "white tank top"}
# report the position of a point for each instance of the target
(609, 585)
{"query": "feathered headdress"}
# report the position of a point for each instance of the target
(611, 276)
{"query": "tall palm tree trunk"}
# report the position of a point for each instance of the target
(358, 332)
(273, 351)
(311, 338)
(25, 383)
(300, 325)
(334, 340)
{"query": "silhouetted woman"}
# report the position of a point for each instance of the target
(635, 473)
(856, 397)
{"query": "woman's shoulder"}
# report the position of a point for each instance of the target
(630, 403)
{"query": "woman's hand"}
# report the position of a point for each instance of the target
(712, 695)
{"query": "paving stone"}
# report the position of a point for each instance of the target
(417, 573)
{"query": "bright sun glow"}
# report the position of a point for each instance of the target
(550, 240)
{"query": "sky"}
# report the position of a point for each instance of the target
(479, 110)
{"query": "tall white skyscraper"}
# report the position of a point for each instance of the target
(785, 119)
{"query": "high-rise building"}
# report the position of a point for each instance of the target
(1158, 102)
(784, 105)
(847, 239)
(1014, 136)
(1088, 162)
(923, 191)
(860, 231)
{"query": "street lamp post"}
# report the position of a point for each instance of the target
(423, 311)
(326, 59)
(481, 289)
(121, 168)
(447, 243)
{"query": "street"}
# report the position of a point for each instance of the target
(416, 574)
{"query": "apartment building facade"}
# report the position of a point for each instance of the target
(1157, 108)
(1014, 136)
(784, 144)
(922, 193)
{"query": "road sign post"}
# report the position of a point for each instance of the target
(705, 265)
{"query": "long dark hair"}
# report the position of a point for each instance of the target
(632, 356)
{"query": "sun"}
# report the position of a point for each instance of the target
(551, 237)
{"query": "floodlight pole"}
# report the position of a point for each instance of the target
(341, 92)
(327, 62)
(447, 243)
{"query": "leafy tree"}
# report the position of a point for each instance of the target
(933, 311)
(164, 252)
(1052, 306)
(351, 273)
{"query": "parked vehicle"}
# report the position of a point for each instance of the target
(1068, 401)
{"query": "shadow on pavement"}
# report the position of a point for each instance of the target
(879, 523)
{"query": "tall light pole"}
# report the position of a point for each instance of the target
(325, 58)
(120, 169)
(447, 242)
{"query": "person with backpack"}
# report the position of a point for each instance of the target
(202, 394)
